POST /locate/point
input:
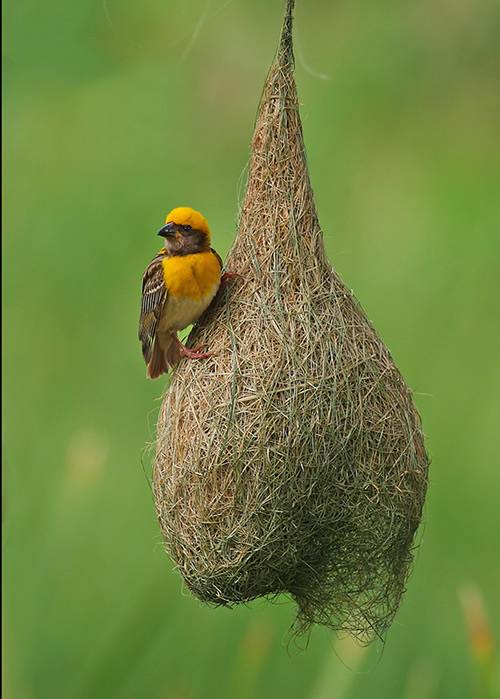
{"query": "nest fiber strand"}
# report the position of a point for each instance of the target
(293, 460)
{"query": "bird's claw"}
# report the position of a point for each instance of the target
(227, 276)
(195, 353)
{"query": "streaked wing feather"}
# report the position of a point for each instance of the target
(154, 294)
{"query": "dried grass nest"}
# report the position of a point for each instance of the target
(293, 460)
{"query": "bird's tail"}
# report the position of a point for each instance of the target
(165, 354)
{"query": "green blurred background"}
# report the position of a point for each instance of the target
(114, 113)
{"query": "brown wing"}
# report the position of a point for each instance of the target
(219, 258)
(154, 295)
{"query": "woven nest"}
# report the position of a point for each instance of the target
(293, 460)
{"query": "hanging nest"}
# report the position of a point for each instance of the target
(293, 460)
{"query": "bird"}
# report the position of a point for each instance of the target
(179, 284)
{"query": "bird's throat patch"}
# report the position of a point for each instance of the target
(191, 276)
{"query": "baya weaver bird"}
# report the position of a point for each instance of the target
(178, 285)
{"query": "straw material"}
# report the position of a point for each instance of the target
(293, 460)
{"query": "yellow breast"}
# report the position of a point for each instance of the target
(191, 276)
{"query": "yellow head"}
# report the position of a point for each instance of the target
(185, 216)
(186, 232)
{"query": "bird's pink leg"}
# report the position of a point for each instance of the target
(227, 276)
(191, 353)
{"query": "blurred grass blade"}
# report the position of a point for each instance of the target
(481, 642)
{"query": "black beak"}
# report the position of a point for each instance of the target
(168, 231)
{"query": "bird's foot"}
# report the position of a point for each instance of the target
(194, 353)
(197, 349)
(227, 276)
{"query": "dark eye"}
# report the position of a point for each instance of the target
(186, 228)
